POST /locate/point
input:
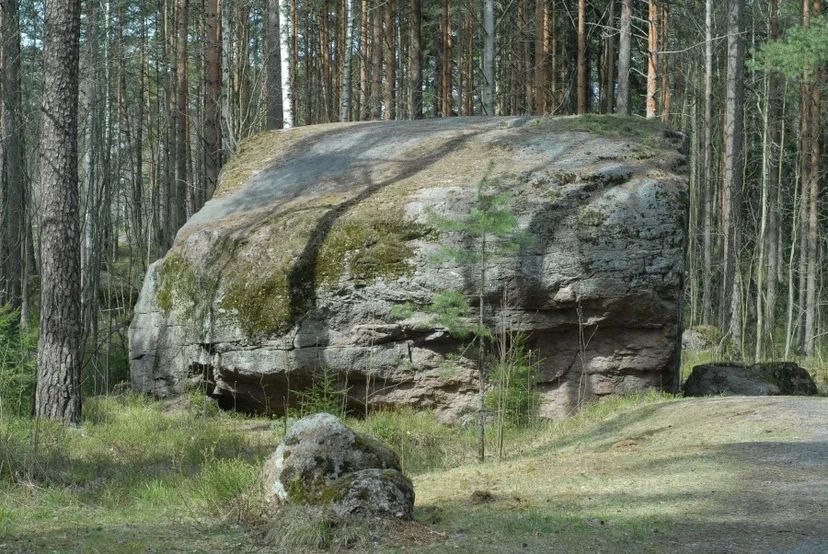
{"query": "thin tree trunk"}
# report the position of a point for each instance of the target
(707, 177)
(488, 58)
(525, 54)
(275, 111)
(773, 151)
(376, 64)
(664, 65)
(350, 16)
(608, 71)
(390, 61)
(732, 178)
(652, 63)
(622, 101)
(12, 178)
(582, 64)
(445, 80)
(814, 173)
(212, 100)
(182, 139)
(364, 54)
(541, 29)
(416, 63)
(59, 355)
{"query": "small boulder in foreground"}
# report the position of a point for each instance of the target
(763, 379)
(322, 462)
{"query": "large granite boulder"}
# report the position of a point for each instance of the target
(323, 462)
(316, 233)
(763, 379)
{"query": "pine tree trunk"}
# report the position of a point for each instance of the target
(416, 60)
(59, 355)
(664, 65)
(294, 64)
(732, 178)
(390, 61)
(773, 151)
(445, 79)
(608, 70)
(582, 64)
(488, 58)
(212, 100)
(814, 174)
(652, 60)
(541, 29)
(364, 70)
(376, 63)
(525, 55)
(707, 177)
(182, 138)
(622, 101)
(12, 170)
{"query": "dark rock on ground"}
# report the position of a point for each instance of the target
(323, 462)
(763, 379)
(316, 233)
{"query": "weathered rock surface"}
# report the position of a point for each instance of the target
(323, 462)
(316, 233)
(765, 379)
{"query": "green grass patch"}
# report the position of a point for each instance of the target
(142, 475)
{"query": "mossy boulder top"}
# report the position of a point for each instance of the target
(315, 233)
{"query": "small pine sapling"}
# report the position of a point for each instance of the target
(488, 230)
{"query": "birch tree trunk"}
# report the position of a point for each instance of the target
(350, 17)
(275, 112)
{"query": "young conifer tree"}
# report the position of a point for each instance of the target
(488, 230)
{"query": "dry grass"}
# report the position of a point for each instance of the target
(690, 475)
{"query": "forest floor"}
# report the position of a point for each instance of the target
(642, 474)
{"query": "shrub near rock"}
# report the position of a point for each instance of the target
(323, 462)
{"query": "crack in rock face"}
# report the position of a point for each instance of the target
(318, 234)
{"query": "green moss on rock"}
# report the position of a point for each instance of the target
(374, 245)
(648, 132)
(261, 305)
(178, 289)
